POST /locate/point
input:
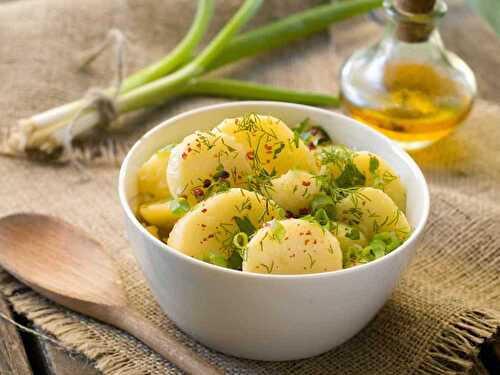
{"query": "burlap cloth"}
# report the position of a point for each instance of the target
(448, 302)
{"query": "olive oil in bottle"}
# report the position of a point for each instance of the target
(408, 86)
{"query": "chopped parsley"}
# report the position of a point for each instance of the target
(374, 163)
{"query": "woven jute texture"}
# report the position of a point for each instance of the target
(448, 302)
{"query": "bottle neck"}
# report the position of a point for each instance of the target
(414, 27)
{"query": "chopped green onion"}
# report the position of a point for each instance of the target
(376, 248)
(179, 206)
(277, 231)
(216, 259)
(390, 239)
(240, 240)
(353, 234)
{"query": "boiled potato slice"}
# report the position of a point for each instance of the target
(269, 143)
(370, 170)
(348, 236)
(164, 213)
(211, 225)
(294, 191)
(292, 246)
(372, 211)
(152, 176)
(203, 159)
(380, 175)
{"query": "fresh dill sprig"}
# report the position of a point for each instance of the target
(341, 158)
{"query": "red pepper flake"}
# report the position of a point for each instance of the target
(198, 192)
(286, 238)
(306, 183)
(268, 147)
(204, 210)
(311, 146)
(184, 155)
(250, 155)
(189, 149)
(203, 225)
(315, 242)
(308, 232)
(301, 233)
(306, 242)
(210, 236)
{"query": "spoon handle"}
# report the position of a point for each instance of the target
(134, 323)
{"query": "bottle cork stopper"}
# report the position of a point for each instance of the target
(411, 32)
(415, 6)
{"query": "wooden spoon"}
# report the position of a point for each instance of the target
(68, 267)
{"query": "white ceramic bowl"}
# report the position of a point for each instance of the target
(270, 317)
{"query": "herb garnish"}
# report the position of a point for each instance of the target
(178, 206)
(381, 244)
(245, 225)
(277, 231)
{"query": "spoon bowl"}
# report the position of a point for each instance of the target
(77, 265)
(67, 266)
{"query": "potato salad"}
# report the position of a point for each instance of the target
(258, 196)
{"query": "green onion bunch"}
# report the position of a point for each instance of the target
(182, 71)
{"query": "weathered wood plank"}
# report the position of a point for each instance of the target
(58, 362)
(13, 359)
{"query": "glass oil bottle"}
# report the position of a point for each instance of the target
(408, 86)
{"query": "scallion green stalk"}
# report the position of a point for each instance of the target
(230, 88)
(154, 93)
(290, 29)
(180, 55)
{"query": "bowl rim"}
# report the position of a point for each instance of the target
(408, 161)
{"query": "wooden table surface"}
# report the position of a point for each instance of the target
(463, 32)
